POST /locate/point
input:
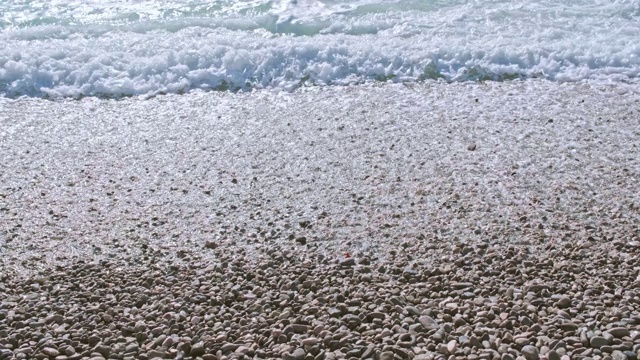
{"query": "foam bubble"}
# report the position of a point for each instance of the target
(180, 46)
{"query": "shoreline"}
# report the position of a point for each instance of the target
(215, 223)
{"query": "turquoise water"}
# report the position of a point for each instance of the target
(122, 48)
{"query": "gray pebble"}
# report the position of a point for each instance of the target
(198, 349)
(428, 322)
(530, 352)
(553, 355)
(309, 341)
(387, 355)
(564, 302)
(618, 355)
(297, 354)
(619, 332)
(347, 262)
(598, 342)
(51, 352)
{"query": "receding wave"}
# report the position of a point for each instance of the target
(264, 44)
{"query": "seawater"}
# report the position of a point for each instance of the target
(117, 48)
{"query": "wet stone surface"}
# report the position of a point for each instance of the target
(329, 224)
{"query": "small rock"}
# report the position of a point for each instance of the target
(297, 354)
(553, 355)
(155, 354)
(69, 350)
(451, 306)
(416, 328)
(461, 285)
(51, 352)
(569, 326)
(227, 347)
(376, 315)
(530, 352)
(564, 302)
(243, 350)
(131, 348)
(6, 354)
(619, 332)
(387, 355)
(428, 322)
(36, 324)
(142, 300)
(443, 349)
(197, 350)
(347, 262)
(471, 147)
(210, 244)
(598, 342)
(368, 352)
(412, 310)
(509, 293)
(103, 350)
(618, 355)
(452, 346)
(93, 340)
(309, 342)
(300, 328)
(459, 322)
(304, 224)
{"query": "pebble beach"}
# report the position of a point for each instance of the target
(496, 220)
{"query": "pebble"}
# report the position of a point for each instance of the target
(297, 354)
(309, 341)
(553, 355)
(347, 262)
(197, 350)
(51, 352)
(387, 355)
(103, 350)
(226, 347)
(530, 352)
(564, 302)
(461, 285)
(428, 322)
(452, 346)
(619, 332)
(598, 342)
(618, 355)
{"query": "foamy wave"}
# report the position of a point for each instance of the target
(286, 48)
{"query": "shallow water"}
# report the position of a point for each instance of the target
(370, 166)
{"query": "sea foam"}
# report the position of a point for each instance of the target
(145, 48)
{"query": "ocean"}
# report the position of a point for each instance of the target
(118, 48)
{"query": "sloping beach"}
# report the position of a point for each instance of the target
(440, 220)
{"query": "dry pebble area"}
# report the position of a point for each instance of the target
(436, 221)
